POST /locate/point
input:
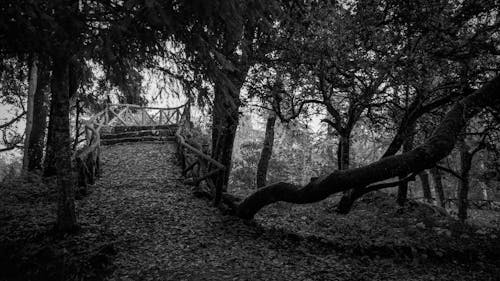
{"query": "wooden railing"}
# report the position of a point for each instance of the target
(199, 168)
(115, 115)
(194, 160)
(134, 115)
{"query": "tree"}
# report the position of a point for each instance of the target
(66, 217)
(13, 88)
(40, 112)
(32, 80)
(422, 157)
(350, 53)
(450, 60)
(403, 186)
(61, 30)
(438, 186)
(267, 151)
(222, 43)
(211, 34)
(466, 155)
(426, 188)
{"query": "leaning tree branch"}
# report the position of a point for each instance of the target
(14, 120)
(358, 192)
(425, 156)
(8, 148)
(375, 187)
(449, 171)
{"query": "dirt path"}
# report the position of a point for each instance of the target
(164, 233)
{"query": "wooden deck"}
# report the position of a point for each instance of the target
(121, 123)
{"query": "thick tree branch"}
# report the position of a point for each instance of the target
(438, 146)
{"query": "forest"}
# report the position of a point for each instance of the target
(249, 140)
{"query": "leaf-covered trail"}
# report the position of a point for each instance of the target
(164, 233)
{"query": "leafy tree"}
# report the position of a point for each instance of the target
(445, 74)
(64, 31)
(423, 157)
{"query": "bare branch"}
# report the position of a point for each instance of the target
(450, 171)
(14, 120)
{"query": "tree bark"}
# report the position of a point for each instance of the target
(51, 150)
(406, 127)
(66, 217)
(225, 123)
(74, 84)
(267, 151)
(463, 182)
(484, 191)
(426, 188)
(402, 195)
(40, 110)
(438, 186)
(343, 151)
(349, 196)
(331, 151)
(49, 168)
(32, 81)
(77, 124)
(422, 157)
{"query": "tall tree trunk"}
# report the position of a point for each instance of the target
(40, 110)
(332, 151)
(66, 217)
(51, 150)
(225, 123)
(306, 167)
(484, 190)
(267, 151)
(77, 124)
(463, 184)
(364, 179)
(32, 81)
(343, 151)
(438, 186)
(49, 167)
(74, 84)
(402, 195)
(343, 155)
(426, 188)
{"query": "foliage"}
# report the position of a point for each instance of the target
(298, 155)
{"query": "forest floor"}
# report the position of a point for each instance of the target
(141, 223)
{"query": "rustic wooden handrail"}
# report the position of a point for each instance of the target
(202, 161)
(143, 107)
(88, 158)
